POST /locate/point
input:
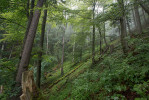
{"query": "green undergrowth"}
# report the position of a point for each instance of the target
(116, 77)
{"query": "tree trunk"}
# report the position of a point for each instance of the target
(47, 43)
(11, 52)
(41, 47)
(29, 16)
(134, 18)
(100, 40)
(145, 20)
(73, 50)
(146, 9)
(23, 66)
(62, 61)
(138, 21)
(93, 38)
(128, 25)
(123, 27)
(104, 31)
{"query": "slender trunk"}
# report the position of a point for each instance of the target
(23, 66)
(73, 50)
(138, 21)
(145, 20)
(41, 47)
(62, 72)
(81, 54)
(2, 49)
(100, 40)
(27, 10)
(134, 18)
(93, 37)
(47, 43)
(11, 52)
(104, 31)
(123, 27)
(128, 25)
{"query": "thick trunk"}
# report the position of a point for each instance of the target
(29, 16)
(127, 19)
(93, 37)
(146, 9)
(23, 66)
(28, 26)
(41, 47)
(138, 21)
(134, 18)
(123, 27)
(123, 35)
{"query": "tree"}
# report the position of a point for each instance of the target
(41, 47)
(146, 9)
(23, 66)
(123, 26)
(138, 21)
(93, 36)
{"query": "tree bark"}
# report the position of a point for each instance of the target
(123, 27)
(145, 20)
(41, 47)
(138, 21)
(93, 37)
(62, 61)
(100, 40)
(146, 9)
(104, 31)
(134, 18)
(23, 66)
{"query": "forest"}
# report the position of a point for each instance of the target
(74, 49)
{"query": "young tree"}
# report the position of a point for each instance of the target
(93, 36)
(41, 47)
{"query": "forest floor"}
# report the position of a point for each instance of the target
(114, 77)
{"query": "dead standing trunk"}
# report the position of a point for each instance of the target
(41, 47)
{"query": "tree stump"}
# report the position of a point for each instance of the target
(29, 88)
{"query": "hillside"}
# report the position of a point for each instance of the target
(114, 76)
